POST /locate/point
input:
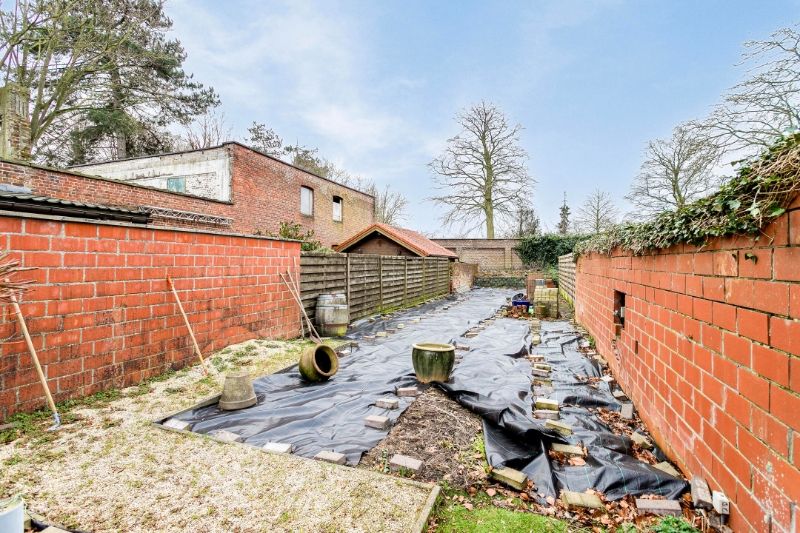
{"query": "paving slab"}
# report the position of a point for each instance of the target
(180, 425)
(546, 403)
(388, 403)
(331, 457)
(278, 447)
(226, 436)
(404, 462)
(513, 478)
(560, 427)
(701, 494)
(377, 422)
(408, 392)
(667, 468)
(659, 507)
(641, 440)
(626, 411)
(569, 449)
(546, 414)
(583, 500)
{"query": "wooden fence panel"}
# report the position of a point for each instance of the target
(566, 275)
(373, 283)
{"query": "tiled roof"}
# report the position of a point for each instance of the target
(416, 242)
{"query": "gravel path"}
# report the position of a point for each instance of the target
(110, 469)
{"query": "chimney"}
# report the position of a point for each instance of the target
(15, 128)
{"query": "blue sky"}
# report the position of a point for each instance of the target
(375, 84)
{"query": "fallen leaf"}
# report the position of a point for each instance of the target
(468, 506)
(550, 500)
(491, 492)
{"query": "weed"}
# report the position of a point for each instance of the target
(673, 524)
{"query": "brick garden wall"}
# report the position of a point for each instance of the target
(710, 354)
(489, 254)
(100, 313)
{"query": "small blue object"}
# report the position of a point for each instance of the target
(526, 303)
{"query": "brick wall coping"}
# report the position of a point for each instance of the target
(58, 218)
(108, 180)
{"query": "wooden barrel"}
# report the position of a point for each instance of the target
(333, 314)
(433, 362)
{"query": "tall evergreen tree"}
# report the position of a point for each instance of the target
(563, 223)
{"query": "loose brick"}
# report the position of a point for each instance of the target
(583, 500)
(404, 462)
(180, 425)
(407, 392)
(331, 457)
(701, 494)
(387, 403)
(377, 422)
(546, 414)
(546, 404)
(559, 427)
(278, 447)
(226, 436)
(659, 507)
(568, 449)
(513, 478)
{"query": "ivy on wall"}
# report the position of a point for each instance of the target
(760, 191)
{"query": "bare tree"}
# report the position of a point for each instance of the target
(766, 105)
(482, 171)
(676, 171)
(207, 131)
(390, 206)
(597, 214)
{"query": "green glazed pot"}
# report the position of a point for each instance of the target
(433, 362)
(318, 363)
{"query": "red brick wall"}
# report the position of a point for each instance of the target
(710, 354)
(265, 192)
(100, 313)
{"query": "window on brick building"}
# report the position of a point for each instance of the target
(337, 208)
(176, 184)
(307, 201)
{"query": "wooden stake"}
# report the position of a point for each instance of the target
(188, 326)
(313, 332)
(35, 358)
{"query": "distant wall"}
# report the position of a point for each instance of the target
(100, 313)
(489, 254)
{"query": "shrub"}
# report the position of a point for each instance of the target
(542, 251)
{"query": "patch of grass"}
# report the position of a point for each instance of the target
(454, 517)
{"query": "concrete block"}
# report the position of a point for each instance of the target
(541, 382)
(626, 411)
(546, 414)
(701, 494)
(180, 425)
(381, 334)
(513, 478)
(226, 436)
(536, 358)
(543, 366)
(568, 449)
(536, 339)
(619, 395)
(667, 469)
(659, 507)
(388, 403)
(720, 502)
(407, 391)
(462, 347)
(560, 427)
(546, 403)
(641, 440)
(540, 373)
(401, 326)
(471, 334)
(580, 499)
(404, 462)
(377, 422)
(607, 379)
(368, 337)
(542, 391)
(278, 447)
(331, 457)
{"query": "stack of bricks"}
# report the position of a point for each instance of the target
(100, 313)
(710, 354)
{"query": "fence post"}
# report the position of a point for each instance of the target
(347, 277)
(424, 281)
(405, 281)
(380, 283)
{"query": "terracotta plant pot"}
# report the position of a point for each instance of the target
(318, 363)
(433, 362)
(237, 393)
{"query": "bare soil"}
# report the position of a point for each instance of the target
(445, 436)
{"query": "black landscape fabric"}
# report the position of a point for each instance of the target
(493, 379)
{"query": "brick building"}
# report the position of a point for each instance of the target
(228, 188)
